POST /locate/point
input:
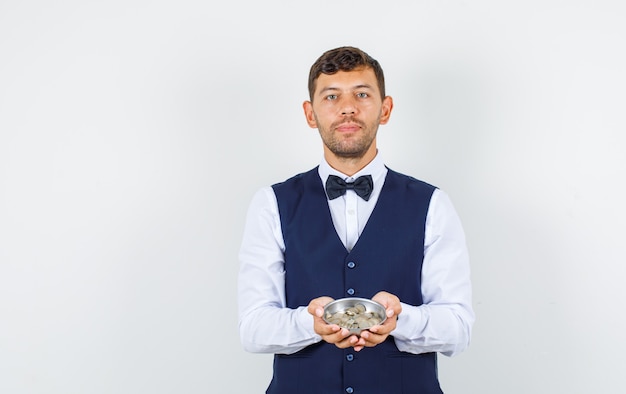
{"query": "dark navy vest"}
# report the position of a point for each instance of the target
(387, 256)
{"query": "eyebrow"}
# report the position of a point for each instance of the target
(361, 86)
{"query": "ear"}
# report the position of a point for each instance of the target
(308, 114)
(385, 111)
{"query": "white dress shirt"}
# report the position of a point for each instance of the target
(442, 324)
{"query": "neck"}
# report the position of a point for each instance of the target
(349, 165)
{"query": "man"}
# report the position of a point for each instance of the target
(387, 236)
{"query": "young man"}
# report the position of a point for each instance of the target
(387, 236)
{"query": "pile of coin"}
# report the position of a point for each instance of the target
(356, 317)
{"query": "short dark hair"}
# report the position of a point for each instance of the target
(344, 59)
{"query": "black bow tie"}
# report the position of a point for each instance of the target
(336, 187)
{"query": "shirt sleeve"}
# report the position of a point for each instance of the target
(266, 325)
(444, 322)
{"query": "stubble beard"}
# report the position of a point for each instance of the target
(351, 147)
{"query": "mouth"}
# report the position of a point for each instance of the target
(348, 127)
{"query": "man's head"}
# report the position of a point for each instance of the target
(347, 105)
(344, 59)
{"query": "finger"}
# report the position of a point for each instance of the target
(350, 341)
(340, 335)
(383, 329)
(328, 329)
(367, 336)
(374, 340)
(372, 337)
(317, 303)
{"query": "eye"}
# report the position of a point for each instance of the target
(362, 95)
(331, 97)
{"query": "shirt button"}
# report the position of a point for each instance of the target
(351, 264)
(349, 390)
(350, 291)
(351, 212)
(350, 357)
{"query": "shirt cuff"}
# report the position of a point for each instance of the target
(305, 322)
(409, 322)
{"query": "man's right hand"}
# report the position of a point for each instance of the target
(330, 333)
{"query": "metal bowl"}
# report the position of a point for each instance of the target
(354, 313)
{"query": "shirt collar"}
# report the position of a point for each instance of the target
(376, 168)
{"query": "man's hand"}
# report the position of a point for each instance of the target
(330, 333)
(379, 333)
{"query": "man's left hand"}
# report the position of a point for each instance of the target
(379, 333)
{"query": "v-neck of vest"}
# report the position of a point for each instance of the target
(384, 199)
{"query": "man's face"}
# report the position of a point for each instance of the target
(347, 110)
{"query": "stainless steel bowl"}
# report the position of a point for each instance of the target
(334, 309)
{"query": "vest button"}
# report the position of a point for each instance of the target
(349, 390)
(350, 291)
(350, 357)
(351, 264)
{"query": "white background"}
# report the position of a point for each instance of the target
(123, 124)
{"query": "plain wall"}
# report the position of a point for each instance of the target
(134, 133)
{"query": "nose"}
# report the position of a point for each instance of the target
(348, 106)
